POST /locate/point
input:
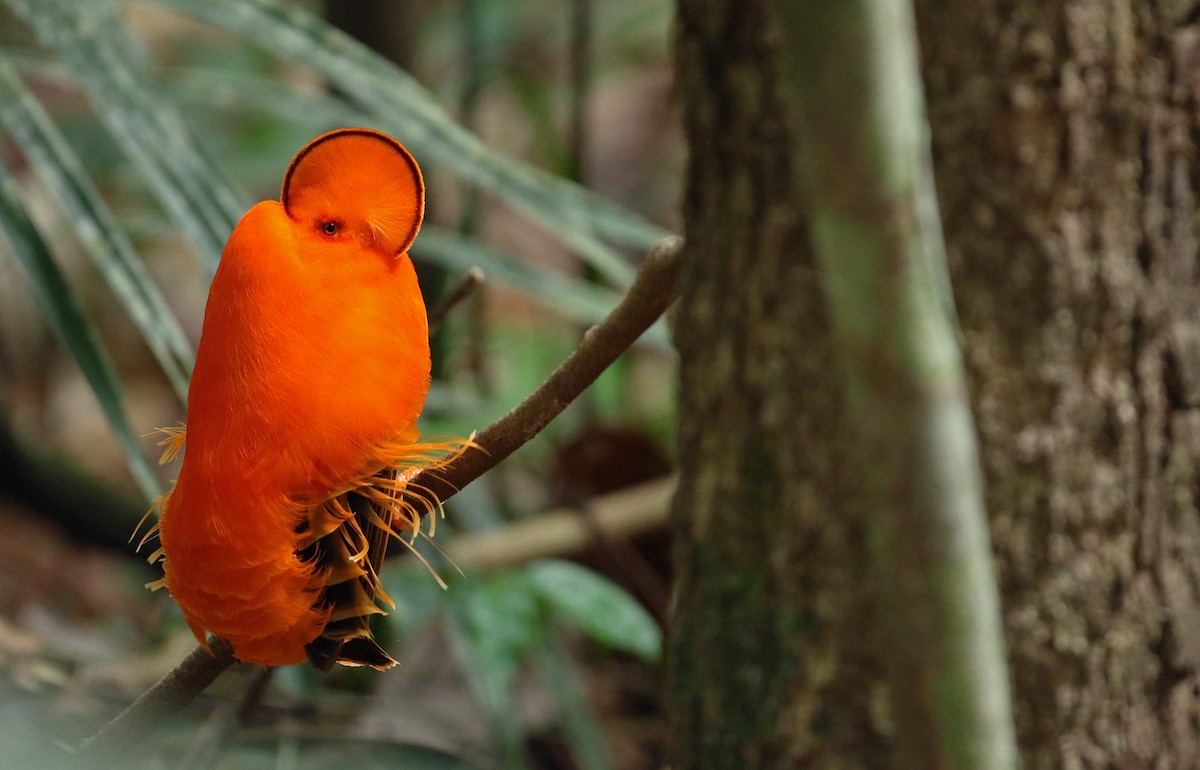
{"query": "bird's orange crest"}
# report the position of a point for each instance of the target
(362, 171)
(301, 438)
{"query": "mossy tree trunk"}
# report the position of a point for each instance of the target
(1066, 161)
(768, 661)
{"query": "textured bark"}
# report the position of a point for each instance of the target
(1065, 152)
(769, 664)
(1065, 140)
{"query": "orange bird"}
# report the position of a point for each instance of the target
(301, 431)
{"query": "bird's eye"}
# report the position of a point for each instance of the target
(331, 227)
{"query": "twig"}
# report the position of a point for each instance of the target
(651, 294)
(625, 513)
(463, 289)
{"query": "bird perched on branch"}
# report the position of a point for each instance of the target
(301, 434)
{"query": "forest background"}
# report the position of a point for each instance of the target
(825, 579)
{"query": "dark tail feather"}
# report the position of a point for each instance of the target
(348, 643)
(348, 554)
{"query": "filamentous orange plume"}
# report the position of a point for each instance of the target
(312, 368)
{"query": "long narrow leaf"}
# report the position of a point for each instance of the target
(94, 226)
(92, 40)
(574, 299)
(60, 309)
(577, 216)
(239, 93)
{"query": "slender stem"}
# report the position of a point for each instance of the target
(866, 168)
(651, 294)
(461, 291)
(624, 514)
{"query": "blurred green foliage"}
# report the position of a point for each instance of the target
(168, 146)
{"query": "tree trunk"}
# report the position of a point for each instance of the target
(769, 664)
(1065, 152)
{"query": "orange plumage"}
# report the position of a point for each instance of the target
(312, 368)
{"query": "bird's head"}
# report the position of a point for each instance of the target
(359, 184)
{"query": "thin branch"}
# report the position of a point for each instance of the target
(651, 294)
(463, 289)
(625, 513)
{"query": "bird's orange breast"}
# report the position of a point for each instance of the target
(307, 357)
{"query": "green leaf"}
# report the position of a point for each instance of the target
(65, 317)
(95, 227)
(573, 298)
(494, 624)
(598, 607)
(92, 40)
(579, 217)
(500, 618)
(237, 93)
